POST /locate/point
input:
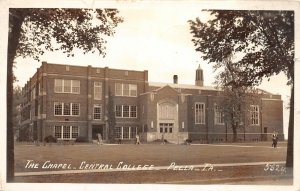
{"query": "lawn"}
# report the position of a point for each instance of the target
(146, 154)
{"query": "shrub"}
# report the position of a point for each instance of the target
(188, 141)
(81, 139)
(50, 139)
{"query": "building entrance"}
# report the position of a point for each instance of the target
(97, 129)
(168, 121)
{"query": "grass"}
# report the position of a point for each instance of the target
(150, 154)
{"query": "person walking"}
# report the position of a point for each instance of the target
(274, 139)
(99, 139)
(137, 137)
(163, 138)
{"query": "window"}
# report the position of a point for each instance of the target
(133, 90)
(33, 93)
(58, 108)
(118, 89)
(126, 111)
(97, 90)
(66, 132)
(75, 132)
(66, 86)
(118, 110)
(219, 116)
(126, 132)
(118, 132)
(57, 131)
(40, 89)
(254, 114)
(166, 127)
(199, 113)
(133, 132)
(66, 109)
(58, 86)
(97, 111)
(133, 111)
(75, 108)
(126, 90)
(76, 86)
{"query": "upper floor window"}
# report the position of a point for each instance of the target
(126, 111)
(66, 86)
(40, 89)
(126, 89)
(97, 111)
(66, 109)
(97, 90)
(199, 113)
(254, 114)
(33, 92)
(219, 115)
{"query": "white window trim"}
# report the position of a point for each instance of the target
(63, 87)
(40, 87)
(122, 111)
(215, 112)
(71, 111)
(99, 106)
(95, 91)
(204, 108)
(129, 132)
(258, 116)
(122, 90)
(62, 132)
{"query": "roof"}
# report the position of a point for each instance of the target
(182, 86)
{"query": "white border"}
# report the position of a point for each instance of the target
(262, 5)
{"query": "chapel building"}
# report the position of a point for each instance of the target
(68, 102)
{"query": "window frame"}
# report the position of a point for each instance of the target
(218, 115)
(63, 134)
(99, 97)
(126, 89)
(255, 112)
(202, 115)
(71, 109)
(126, 132)
(120, 109)
(94, 111)
(62, 88)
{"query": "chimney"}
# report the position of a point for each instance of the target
(175, 79)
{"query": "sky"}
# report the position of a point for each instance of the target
(157, 40)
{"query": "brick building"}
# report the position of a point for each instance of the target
(73, 101)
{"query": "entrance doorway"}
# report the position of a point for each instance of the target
(166, 127)
(97, 129)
